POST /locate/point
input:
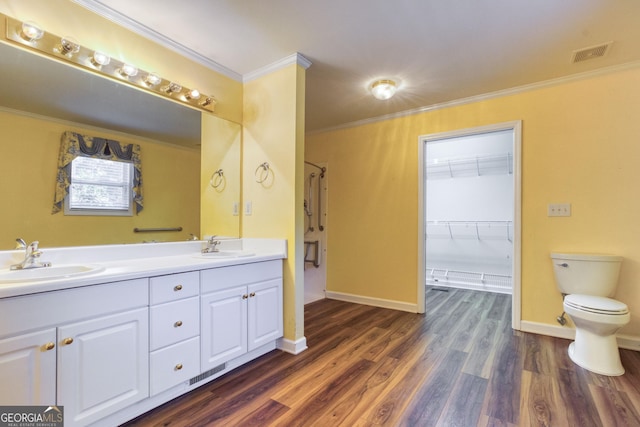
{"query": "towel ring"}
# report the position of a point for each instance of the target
(264, 174)
(216, 178)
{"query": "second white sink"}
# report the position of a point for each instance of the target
(225, 254)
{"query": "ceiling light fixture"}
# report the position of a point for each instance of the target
(383, 89)
(29, 34)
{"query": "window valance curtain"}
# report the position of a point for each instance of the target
(74, 145)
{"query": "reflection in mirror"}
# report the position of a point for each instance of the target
(39, 100)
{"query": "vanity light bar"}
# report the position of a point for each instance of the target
(68, 50)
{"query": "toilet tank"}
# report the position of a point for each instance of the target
(588, 274)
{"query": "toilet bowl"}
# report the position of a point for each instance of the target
(588, 281)
(597, 319)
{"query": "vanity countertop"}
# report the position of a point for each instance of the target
(132, 261)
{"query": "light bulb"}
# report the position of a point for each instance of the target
(31, 31)
(152, 79)
(128, 70)
(193, 94)
(172, 88)
(68, 46)
(99, 59)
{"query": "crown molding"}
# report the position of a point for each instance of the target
(484, 97)
(295, 58)
(138, 28)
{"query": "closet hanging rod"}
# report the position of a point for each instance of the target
(469, 222)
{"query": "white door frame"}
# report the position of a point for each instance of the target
(516, 128)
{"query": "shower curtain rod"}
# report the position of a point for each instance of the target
(322, 169)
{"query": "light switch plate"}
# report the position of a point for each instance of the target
(559, 209)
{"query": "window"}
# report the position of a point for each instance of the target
(100, 187)
(97, 176)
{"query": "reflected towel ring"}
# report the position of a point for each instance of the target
(217, 178)
(264, 174)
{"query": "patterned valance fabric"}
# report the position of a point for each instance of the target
(74, 145)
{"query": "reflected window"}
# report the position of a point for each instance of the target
(100, 187)
(97, 176)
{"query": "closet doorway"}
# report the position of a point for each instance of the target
(470, 200)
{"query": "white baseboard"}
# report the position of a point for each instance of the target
(628, 342)
(376, 302)
(293, 347)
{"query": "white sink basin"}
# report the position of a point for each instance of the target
(47, 273)
(225, 254)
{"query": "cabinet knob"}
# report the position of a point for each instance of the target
(177, 324)
(67, 341)
(178, 366)
(252, 294)
(177, 288)
(49, 346)
(245, 296)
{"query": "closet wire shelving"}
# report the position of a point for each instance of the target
(473, 166)
(489, 164)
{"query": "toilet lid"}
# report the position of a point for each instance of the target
(595, 304)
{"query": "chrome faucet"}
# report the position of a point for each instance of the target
(212, 245)
(31, 256)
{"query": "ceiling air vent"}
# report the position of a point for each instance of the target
(590, 52)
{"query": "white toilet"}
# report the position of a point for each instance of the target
(588, 281)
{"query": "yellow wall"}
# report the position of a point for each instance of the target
(28, 163)
(221, 148)
(579, 146)
(274, 133)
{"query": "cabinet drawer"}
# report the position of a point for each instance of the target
(215, 279)
(174, 364)
(174, 286)
(173, 322)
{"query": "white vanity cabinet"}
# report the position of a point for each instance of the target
(174, 329)
(28, 368)
(241, 309)
(85, 349)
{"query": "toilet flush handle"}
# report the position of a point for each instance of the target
(564, 264)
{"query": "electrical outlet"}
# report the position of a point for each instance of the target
(248, 208)
(236, 208)
(559, 209)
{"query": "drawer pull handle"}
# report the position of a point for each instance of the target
(49, 346)
(177, 288)
(178, 366)
(67, 341)
(252, 294)
(245, 296)
(177, 324)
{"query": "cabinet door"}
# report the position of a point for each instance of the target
(265, 312)
(223, 332)
(103, 365)
(28, 369)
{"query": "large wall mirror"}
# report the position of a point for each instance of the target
(40, 98)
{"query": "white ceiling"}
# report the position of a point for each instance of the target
(439, 50)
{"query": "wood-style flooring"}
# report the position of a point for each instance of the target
(461, 364)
